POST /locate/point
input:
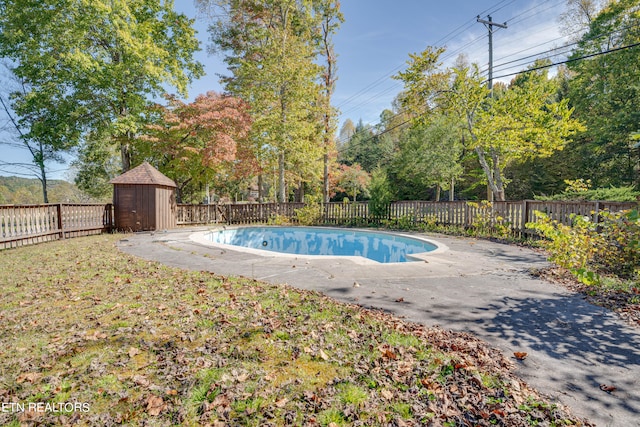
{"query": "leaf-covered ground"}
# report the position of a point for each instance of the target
(133, 342)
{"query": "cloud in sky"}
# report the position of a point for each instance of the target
(377, 36)
(365, 89)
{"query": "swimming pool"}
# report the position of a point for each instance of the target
(382, 247)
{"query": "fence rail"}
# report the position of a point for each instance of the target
(26, 224)
(512, 214)
(242, 213)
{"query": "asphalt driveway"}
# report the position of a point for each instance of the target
(474, 286)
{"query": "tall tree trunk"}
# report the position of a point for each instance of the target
(331, 20)
(43, 180)
(281, 180)
(260, 188)
(125, 155)
(497, 177)
(437, 192)
(325, 178)
(38, 158)
(300, 192)
(492, 174)
(452, 190)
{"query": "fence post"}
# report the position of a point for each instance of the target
(525, 216)
(467, 215)
(596, 218)
(60, 221)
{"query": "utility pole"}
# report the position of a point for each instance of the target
(489, 24)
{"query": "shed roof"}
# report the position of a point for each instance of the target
(144, 174)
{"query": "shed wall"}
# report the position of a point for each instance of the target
(135, 207)
(166, 208)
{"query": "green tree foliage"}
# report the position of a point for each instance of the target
(368, 146)
(271, 48)
(21, 191)
(575, 21)
(194, 143)
(353, 180)
(347, 130)
(525, 122)
(429, 155)
(424, 80)
(380, 194)
(92, 65)
(606, 94)
(589, 249)
(97, 163)
(330, 20)
(34, 131)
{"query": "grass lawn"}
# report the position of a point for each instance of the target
(92, 336)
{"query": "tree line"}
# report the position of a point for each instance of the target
(91, 78)
(537, 136)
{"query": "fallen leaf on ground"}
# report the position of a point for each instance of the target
(520, 355)
(30, 377)
(141, 380)
(155, 405)
(607, 388)
(387, 394)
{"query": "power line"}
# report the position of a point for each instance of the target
(571, 60)
(344, 148)
(463, 27)
(524, 15)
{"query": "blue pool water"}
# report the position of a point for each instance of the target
(380, 247)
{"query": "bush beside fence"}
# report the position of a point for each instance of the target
(512, 215)
(26, 224)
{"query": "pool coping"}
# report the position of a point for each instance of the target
(199, 237)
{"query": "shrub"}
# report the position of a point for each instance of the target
(613, 194)
(619, 249)
(277, 219)
(487, 222)
(310, 214)
(380, 193)
(589, 249)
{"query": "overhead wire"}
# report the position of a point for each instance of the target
(442, 41)
(448, 55)
(524, 15)
(454, 33)
(608, 51)
(541, 67)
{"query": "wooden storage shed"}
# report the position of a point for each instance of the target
(144, 200)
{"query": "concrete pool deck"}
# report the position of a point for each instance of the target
(475, 286)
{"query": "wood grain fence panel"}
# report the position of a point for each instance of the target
(459, 213)
(27, 224)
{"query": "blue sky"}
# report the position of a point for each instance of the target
(377, 36)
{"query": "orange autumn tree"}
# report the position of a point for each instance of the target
(353, 180)
(199, 144)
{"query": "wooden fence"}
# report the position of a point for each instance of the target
(242, 213)
(514, 215)
(27, 224)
